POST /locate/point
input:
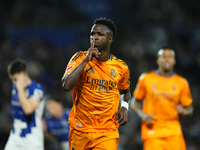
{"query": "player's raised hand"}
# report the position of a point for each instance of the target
(21, 81)
(93, 52)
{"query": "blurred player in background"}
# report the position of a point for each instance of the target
(27, 106)
(165, 95)
(97, 78)
(56, 121)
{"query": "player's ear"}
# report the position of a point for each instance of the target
(174, 62)
(110, 40)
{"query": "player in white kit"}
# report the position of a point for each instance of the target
(27, 102)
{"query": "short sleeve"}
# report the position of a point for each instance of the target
(185, 95)
(74, 62)
(140, 90)
(38, 94)
(124, 82)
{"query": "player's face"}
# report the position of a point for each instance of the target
(102, 36)
(14, 78)
(19, 78)
(166, 59)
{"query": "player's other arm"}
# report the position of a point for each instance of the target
(135, 106)
(122, 113)
(185, 108)
(184, 111)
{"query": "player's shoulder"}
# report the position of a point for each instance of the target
(36, 85)
(118, 61)
(78, 55)
(147, 75)
(180, 78)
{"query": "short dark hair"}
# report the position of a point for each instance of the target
(166, 47)
(16, 66)
(108, 23)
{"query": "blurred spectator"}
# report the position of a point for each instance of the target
(56, 121)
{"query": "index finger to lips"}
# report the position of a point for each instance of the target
(92, 46)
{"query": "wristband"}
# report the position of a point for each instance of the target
(124, 104)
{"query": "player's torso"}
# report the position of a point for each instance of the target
(99, 83)
(25, 126)
(96, 95)
(101, 76)
(162, 94)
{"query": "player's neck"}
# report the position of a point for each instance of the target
(105, 55)
(165, 73)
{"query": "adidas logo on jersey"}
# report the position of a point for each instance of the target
(90, 70)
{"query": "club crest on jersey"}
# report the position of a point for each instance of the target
(174, 88)
(153, 87)
(113, 73)
(69, 67)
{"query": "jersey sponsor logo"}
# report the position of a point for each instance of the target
(101, 85)
(15, 103)
(164, 96)
(113, 73)
(91, 70)
(69, 67)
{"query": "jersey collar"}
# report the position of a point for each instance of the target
(157, 73)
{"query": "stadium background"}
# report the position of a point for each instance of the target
(46, 33)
